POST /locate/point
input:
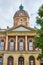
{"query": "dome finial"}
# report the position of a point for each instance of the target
(21, 6)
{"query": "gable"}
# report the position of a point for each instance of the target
(21, 29)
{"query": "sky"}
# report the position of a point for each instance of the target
(9, 7)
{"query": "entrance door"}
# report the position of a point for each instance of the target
(21, 61)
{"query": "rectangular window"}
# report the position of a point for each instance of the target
(2, 46)
(11, 46)
(30, 46)
(0, 61)
(21, 46)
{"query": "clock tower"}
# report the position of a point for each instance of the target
(21, 17)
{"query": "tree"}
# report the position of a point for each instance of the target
(38, 40)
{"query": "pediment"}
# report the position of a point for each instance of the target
(21, 29)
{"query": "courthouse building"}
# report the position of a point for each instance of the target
(16, 43)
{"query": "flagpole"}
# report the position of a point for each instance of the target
(21, 2)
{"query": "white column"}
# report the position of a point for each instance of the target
(26, 42)
(6, 47)
(16, 42)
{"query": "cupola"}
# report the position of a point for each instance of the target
(21, 17)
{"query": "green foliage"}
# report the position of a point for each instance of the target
(39, 20)
(40, 13)
(40, 56)
(38, 40)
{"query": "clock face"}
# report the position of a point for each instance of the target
(21, 14)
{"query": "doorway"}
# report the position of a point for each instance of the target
(21, 61)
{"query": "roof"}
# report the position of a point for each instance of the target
(9, 29)
(21, 12)
(28, 28)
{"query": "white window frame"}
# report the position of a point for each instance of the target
(21, 47)
(11, 47)
(30, 45)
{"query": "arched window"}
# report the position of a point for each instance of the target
(31, 60)
(1, 61)
(11, 47)
(30, 47)
(2, 45)
(21, 45)
(21, 61)
(10, 60)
